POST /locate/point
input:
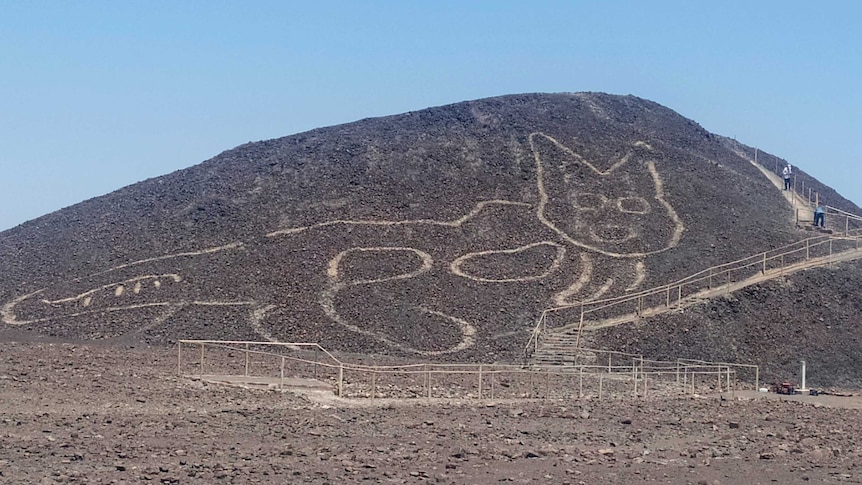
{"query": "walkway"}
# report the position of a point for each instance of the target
(805, 213)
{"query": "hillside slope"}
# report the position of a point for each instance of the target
(812, 316)
(442, 232)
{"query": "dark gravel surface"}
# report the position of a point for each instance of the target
(813, 316)
(98, 414)
(590, 193)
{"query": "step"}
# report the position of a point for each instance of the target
(559, 346)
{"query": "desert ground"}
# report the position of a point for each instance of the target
(85, 413)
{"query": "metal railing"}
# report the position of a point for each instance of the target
(623, 376)
(811, 198)
(675, 295)
(218, 358)
(811, 252)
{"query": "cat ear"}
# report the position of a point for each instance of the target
(553, 156)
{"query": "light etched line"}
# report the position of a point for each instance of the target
(544, 198)
(116, 286)
(455, 266)
(257, 316)
(601, 291)
(640, 275)
(12, 320)
(223, 303)
(678, 226)
(427, 261)
(456, 223)
(170, 311)
(236, 245)
(468, 331)
(622, 161)
(562, 298)
(8, 310)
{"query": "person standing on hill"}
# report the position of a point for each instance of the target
(819, 216)
(786, 172)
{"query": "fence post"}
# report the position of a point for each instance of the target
(281, 374)
(491, 376)
(679, 298)
(179, 358)
(718, 374)
(635, 377)
(685, 379)
(727, 289)
(428, 379)
(541, 329)
(807, 249)
(764, 263)
(480, 382)
(246, 359)
(710, 279)
(830, 252)
(580, 328)
(581, 381)
(201, 371)
(341, 380)
(373, 382)
(601, 380)
(757, 378)
(846, 226)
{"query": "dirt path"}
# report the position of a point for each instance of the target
(89, 414)
(706, 294)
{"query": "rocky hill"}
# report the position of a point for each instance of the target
(438, 233)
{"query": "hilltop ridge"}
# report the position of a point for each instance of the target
(437, 233)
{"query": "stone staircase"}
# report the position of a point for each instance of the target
(563, 345)
(561, 348)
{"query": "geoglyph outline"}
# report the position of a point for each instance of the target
(468, 331)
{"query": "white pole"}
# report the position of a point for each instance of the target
(803, 388)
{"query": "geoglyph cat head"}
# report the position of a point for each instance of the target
(616, 208)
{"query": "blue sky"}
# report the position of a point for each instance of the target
(96, 95)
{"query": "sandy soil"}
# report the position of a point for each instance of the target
(90, 414)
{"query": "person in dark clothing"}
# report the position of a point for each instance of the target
(820, 216)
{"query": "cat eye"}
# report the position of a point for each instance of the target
(633, 205)
(588, 201)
